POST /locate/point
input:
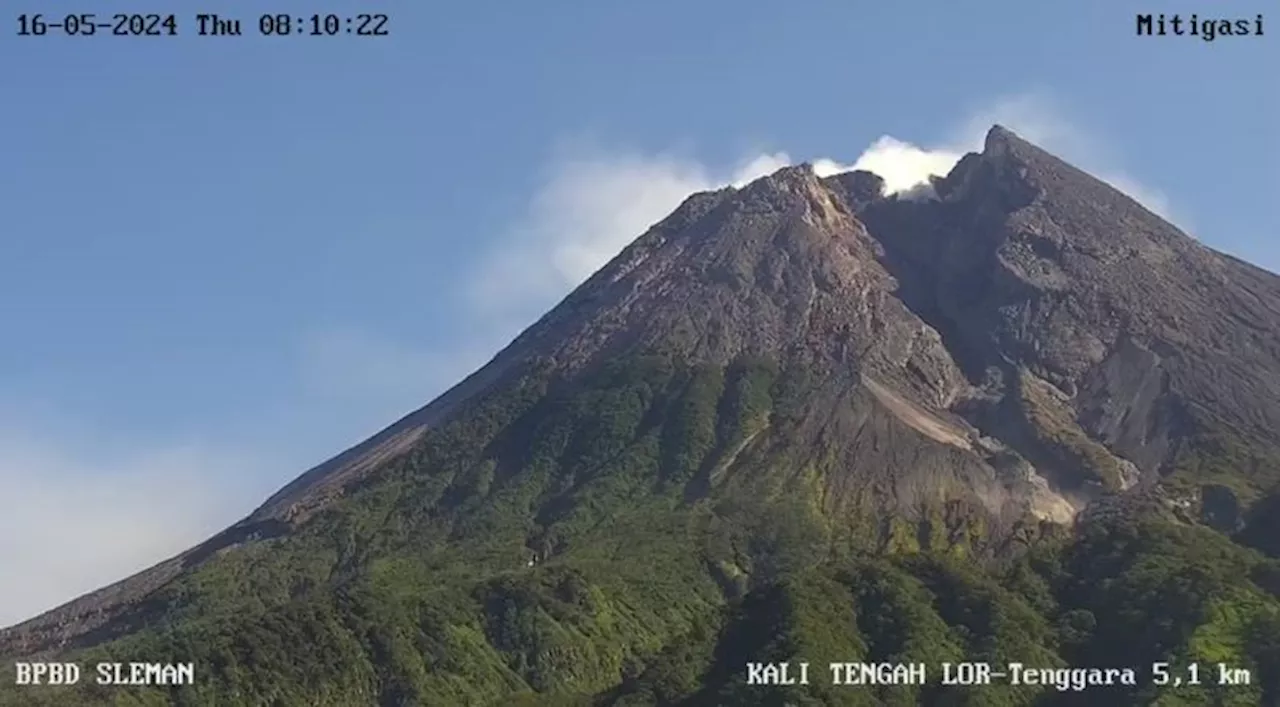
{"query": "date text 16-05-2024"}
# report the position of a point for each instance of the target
(201, 24)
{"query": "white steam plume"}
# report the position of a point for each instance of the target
(1035, 117)
(595, 203)
(589, 208)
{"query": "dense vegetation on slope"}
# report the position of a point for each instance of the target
(603, 543)
(801, 420)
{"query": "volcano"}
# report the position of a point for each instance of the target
(1013, 418)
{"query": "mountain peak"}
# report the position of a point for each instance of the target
(795, 369)
(999, 138)
(791, 179)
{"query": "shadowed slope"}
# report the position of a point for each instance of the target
(797, 418)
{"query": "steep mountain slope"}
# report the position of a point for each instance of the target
(1148, 333)
(800, 418)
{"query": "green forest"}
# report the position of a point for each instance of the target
(639, 535)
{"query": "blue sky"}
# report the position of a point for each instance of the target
(224, 259)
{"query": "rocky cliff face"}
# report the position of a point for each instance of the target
(962, 372)
(1043, 278)
(1048, 309)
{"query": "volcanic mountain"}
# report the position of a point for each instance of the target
(1014, 417)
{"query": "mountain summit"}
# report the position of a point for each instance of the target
(1022, 419)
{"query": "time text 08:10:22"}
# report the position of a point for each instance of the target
(202, 25)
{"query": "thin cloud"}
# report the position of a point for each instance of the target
(593, 204)
(80, 510)
(589, 207)
(1036, 117)
(72, 522)
(1039, 118)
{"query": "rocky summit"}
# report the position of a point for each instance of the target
(1009, 417)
